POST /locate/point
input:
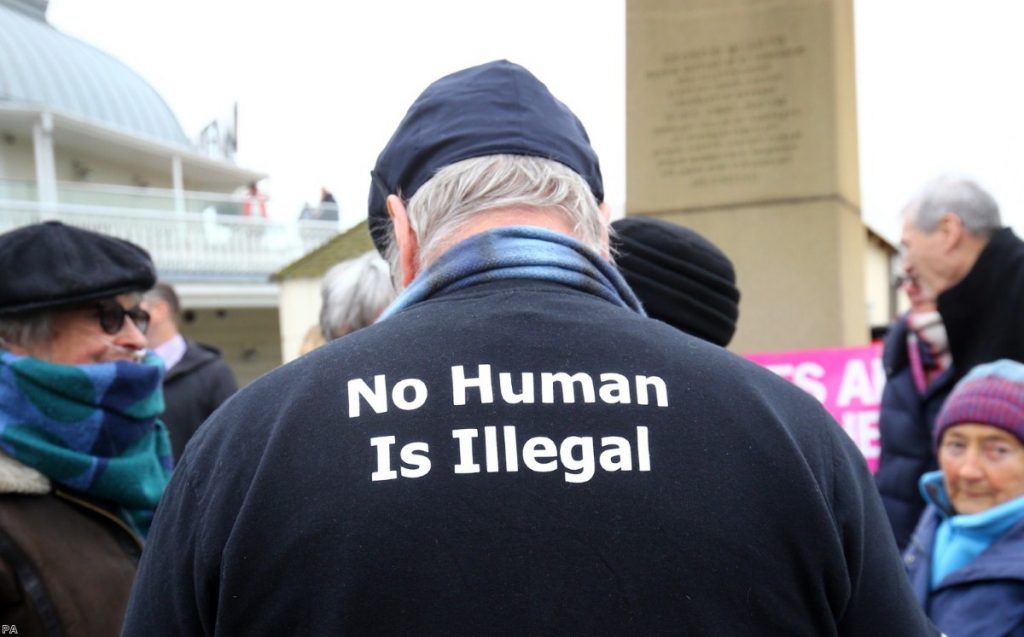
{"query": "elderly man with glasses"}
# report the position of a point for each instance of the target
(83, 458)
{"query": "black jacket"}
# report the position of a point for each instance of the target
(661, 485)
(984, 313)
(193, 389)
(905, 423)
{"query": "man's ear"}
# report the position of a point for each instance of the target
(952, 231)
(405, 239)
(606, 217)
(159, 311)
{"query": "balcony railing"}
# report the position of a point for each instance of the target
(107, 196)
(192, 245)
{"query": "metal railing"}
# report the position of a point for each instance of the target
(205, 245)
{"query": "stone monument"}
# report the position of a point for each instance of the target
(741, 124)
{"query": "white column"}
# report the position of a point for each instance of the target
(46, 165)
(179, 184)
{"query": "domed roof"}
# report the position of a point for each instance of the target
(41, 66)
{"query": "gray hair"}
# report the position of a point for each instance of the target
(977, 209)
(354, 294)
(26, 330)
(462, 191)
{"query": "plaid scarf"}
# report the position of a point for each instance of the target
(518, 252)
(92, 428)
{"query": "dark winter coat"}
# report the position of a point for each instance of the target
(659, 485)
(985, 598)
(984, 312)
(905, 426)
(193, 389)
(66, 562)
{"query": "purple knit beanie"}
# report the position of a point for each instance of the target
(991, 394)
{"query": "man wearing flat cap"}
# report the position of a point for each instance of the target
(83, 458)
(514, 448)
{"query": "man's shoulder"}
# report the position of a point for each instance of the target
(204, 361)
(201, 350)
(199, 354)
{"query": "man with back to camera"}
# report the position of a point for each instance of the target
(955, 246)
(197, 379)
(514, 448)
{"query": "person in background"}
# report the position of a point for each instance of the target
(197, 379)
(966, 559)
(514, 447)
(918, 370)
(83, 457)
(255, 202)
(958, 252)
(328, 208)
(679, 276)
(354, 293)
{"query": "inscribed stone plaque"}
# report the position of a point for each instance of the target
(736, 102)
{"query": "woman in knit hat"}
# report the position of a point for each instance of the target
(966, 558)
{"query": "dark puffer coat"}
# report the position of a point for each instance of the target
(905, 431)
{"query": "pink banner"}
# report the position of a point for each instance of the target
(848, 381)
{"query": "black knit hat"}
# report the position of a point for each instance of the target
(498, 108)
(680, 277)
(51, 265)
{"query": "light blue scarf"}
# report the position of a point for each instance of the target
(518, 252)
(961, 538)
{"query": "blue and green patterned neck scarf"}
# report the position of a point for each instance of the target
(518, 252)
(92, 428)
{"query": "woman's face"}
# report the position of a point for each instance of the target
(982, 466)
(93, 333)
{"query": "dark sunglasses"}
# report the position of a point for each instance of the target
(111, 316)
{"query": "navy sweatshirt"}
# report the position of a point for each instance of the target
(521, 458)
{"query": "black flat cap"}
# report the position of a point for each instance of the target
(680, 277)
(498, 108)
(50, 265)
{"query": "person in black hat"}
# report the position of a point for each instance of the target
(513, 447)
(83, 458)
(680, 277)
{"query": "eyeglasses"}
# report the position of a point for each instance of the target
(111, 316)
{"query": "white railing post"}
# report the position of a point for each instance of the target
(179, 184)
(46, 165)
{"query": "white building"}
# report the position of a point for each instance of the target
(87, 141)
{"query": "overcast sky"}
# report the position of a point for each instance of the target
(321, 85)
